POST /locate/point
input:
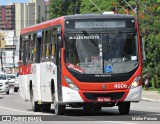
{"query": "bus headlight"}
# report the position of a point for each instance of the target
(135, 82)
(71, 84)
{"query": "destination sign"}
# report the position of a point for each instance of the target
(99, 24)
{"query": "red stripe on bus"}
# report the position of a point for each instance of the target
(24, 69)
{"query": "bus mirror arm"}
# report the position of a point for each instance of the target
(59, 40)
(143, 49)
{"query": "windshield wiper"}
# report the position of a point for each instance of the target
(92, 41)
(115, 36)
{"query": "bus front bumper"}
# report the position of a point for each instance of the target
(134, 95)
(128, 95)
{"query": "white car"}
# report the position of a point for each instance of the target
(4, 83)
(11, 78)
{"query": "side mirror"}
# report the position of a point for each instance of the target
(143, 50)
(59, 36)
(59, 40)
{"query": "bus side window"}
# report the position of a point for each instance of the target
(46, 45)
(43, 45)
(26, 47)
(34, 47)
(29, 49)
(53, 42)
(49, 43)
(21, 49)
(24, 51)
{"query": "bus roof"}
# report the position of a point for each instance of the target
(100, 16)
(42, 25)
(60, 20)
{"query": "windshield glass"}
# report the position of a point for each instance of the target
(11, 76)
(101, 53)
(3, 77)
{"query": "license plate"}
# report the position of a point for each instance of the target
(103, 99)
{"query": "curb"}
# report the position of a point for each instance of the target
(149, 100)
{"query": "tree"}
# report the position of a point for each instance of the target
(62, 7)
(150, 25)
(88, 7)
(159, 5)
(149, 20)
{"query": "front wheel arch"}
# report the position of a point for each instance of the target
(30, 89)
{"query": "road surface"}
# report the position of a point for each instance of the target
(13, 104)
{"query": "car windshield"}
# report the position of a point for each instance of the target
(3, 77)
(11, 76)
(101, 53)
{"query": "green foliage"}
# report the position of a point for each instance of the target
(59, 8)
(88, 7)
(159, 5)
(149, 20)
(150, 25)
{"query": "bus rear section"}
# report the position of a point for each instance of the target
(96, 63)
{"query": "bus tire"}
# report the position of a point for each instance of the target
(46, 107)
(15, 89)
(35, 106)
(124, 108)
(59, 109)
(7, 92)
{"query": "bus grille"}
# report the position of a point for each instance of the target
(113, 96)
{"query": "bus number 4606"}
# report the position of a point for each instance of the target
(119, 86)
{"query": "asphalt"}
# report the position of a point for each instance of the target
(150, 96)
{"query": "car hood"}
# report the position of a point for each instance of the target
(12, 80)
(3, 81)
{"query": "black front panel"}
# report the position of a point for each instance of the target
(102, 77)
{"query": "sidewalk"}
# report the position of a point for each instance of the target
(150, 96)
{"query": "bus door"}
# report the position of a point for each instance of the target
(58, 62)
(23, 67)
(38, 46)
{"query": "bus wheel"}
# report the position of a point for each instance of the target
(7, 92)
(46, 107)
(124, 108)
(35, 106)
(15, 89)
(59, 109)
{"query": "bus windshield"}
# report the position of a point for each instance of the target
(101, 53)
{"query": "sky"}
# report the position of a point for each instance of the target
(6, 2)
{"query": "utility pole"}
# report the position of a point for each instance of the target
(13, 61)
(1, 51)
(1, 59)
(14, 40)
